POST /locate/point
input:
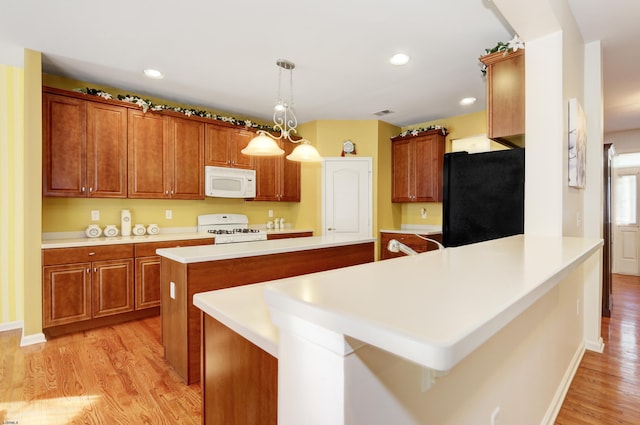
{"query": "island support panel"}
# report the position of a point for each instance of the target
(181, 322)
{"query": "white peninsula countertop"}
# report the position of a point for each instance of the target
(433, 309)
(202, 253)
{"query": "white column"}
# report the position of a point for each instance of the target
(311, 372)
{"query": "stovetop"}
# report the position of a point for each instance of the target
(229, 228)
(232, 231)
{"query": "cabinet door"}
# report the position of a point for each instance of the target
(289, 176)
(239, 140)
(217, 150)
(106, 150)
(147, 155)
(66, 294)
(185, 167)
(112, 287)
(402, 174)
(64, 153)
(267, 188)
(147, 282)
(427, 165)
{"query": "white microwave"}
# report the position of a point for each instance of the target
(225, 182)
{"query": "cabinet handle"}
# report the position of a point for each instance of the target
(92, 253)
(91, 190)
(331, 228)
(166, 192)
(95, 270)
(82, 189)
(88, 271)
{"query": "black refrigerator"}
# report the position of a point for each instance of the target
(483, 196)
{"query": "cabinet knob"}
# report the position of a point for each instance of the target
(166, 192)
(91, 190)
(82, 189)
(88, 271)
(95, 269)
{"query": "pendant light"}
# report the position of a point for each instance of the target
(285, 122)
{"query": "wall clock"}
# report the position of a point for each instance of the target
(348, 147)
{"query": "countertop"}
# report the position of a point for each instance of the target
(410, 229)
(77, 239)
(202, 253)
(434, 308)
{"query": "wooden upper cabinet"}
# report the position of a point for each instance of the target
(223, 145)
(185, 172)
(106, 150)
(277, 178)
(148, 156)
(84, 148)
(64, 150)
(417, 163)
(506, 97)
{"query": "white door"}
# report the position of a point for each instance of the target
(625, 212)
(347, 196)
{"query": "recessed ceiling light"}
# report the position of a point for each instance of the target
(153, 73)
(399, 59)
(468, 101)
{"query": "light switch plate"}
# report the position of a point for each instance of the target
(168, 214)
(95, 215)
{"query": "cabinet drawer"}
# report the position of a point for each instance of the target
(148, 249)
(83, 254)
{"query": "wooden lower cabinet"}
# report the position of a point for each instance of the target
(147, 282)
(112, 287)
(413, 241)
(88, 287)
(66, 294)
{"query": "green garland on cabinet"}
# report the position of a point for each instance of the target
(148, 105)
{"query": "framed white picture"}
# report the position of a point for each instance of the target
(577, 145)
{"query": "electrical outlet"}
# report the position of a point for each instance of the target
(95, 215)
(172, 290)
(270, 213)
(168, 214)
(495, 416)
(423, 213)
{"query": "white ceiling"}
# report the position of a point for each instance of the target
(222, 54)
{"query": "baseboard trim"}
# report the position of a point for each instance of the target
(32, 339)
(596, 346)
(10, 326)
(563, 388)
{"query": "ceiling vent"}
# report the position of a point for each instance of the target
(382, 113)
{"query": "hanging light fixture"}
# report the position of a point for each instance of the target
(285, 121)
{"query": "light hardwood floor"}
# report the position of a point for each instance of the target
(111, 375)
(606, 388)
(116, 375)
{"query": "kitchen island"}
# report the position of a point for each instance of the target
(189, 270)
(496, 322)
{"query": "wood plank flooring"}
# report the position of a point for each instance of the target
(606, 388)
(111, 375)
(117, 375)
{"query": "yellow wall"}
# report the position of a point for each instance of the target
(459, 127)
(32, 207)
(11, 190)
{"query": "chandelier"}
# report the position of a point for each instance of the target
(285, 122)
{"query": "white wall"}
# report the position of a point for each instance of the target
(624, 141)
